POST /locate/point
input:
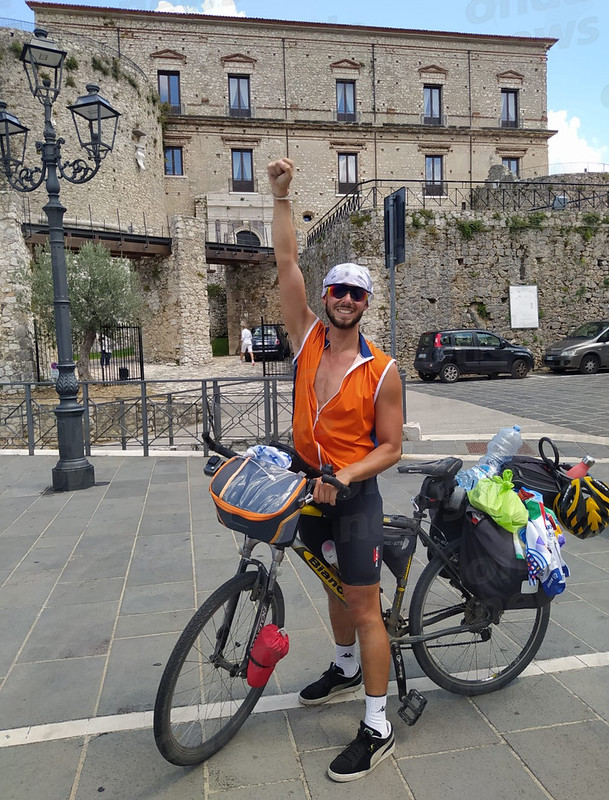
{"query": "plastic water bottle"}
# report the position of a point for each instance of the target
(504, 444)
(328, 550)
(581, 469)
(468, 478)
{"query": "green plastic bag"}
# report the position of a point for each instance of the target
(497, 498)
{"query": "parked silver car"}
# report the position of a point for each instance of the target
(585, 349)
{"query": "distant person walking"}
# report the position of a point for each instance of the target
(246, 344)
(106, 350)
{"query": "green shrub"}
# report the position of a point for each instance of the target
(219, 346)
(468, 228)
(482, 310)
(99, 66)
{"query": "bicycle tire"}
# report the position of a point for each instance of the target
(200, 706)
(470, 663)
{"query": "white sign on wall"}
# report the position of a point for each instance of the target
(524, 308)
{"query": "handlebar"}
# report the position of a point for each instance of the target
(298, 464)
(344, 492)
(218, 448)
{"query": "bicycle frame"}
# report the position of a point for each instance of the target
(397, 627)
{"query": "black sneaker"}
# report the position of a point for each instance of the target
(332, 682)
(364, 753)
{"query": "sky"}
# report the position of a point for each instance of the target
(578, 79)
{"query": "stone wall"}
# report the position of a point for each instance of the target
(177, 327)
(459, 267)
(16, 327)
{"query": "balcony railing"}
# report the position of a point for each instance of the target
(505, 122)
(347, 116)
(240, 112)
(438, 121)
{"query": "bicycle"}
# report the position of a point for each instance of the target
(461, 645)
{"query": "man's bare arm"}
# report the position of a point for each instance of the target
(297, 315)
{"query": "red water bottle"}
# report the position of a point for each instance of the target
(271, 645)
(581, 469)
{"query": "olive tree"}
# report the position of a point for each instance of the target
(103, 291)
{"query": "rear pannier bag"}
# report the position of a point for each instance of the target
(258, 499)
(534, 473)
(489, 568)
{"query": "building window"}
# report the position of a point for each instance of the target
(347, 172)
(243, 170)
(434, 171)
(513, 164)
(239, 96)
(173, 161)
(509, 108)
(247, 239)
(345, 101)
(169, 90)
(432, 105)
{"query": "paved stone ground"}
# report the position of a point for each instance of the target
(95, 587)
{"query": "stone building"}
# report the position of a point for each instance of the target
(208, 101)
(348, 103)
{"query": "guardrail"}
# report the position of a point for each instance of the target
(155, 415)
(160, 415)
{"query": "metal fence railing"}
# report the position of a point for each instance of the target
(147, 415)
(155, 415)
(516, 196)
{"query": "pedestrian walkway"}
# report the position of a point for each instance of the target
(95, 587)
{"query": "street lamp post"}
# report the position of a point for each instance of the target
(95, 121)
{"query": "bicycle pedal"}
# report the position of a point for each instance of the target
(412, 707)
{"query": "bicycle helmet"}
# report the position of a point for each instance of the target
(583, 507)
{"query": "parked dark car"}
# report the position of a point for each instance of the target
(452, 353)
(585, 349)
(276, 345)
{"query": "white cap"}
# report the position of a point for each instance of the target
(351, 274)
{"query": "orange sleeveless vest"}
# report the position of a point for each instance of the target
(342, 431)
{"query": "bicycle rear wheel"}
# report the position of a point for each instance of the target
(470, 662)
(203, 697)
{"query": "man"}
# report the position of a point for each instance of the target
(106, 350)
(347, 413)
(246, 344)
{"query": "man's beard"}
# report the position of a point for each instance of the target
(343, 323)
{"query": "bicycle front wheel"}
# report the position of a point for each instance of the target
(203, 697)
(470, 662)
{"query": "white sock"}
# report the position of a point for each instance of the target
(375, 715)
(346, 659)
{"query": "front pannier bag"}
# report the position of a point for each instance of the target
(258, 499)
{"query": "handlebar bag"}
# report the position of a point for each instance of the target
(489, 568)
(258, 499)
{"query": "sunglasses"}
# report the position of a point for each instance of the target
(340, 290)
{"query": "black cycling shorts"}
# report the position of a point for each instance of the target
(356, 526)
